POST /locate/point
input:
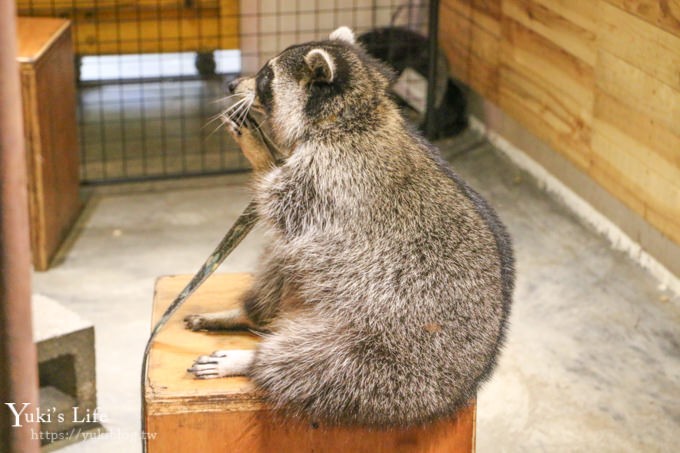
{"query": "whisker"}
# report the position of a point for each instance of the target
(212, 119)
(224, 117)
(250, 103)
(221, 115)
(228, 97)
(238, 113)
(244, 113)
(232, 110)
(213, 131)
(219, 126)
(258, 126)
(244, 106)
(235, 114)
(259, 109)
(239, 102)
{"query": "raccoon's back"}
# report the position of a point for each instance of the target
(401, 332)
(409, 290)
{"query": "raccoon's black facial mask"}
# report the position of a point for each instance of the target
(263, 87)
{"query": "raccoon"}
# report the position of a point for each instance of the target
(386, 288)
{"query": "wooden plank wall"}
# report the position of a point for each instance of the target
(598, 80)
(142, 26)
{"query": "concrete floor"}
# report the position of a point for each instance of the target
(592, 361)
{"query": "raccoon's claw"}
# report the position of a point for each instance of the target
(233, 128)
(205, 367)
(222, 363)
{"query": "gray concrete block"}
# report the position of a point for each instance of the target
(58, 402)
(66, 363)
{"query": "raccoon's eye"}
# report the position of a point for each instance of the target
(264, 86)
(264, 78)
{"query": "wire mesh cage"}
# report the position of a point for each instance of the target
(151, 72)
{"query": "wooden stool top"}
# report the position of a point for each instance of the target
(172, 389)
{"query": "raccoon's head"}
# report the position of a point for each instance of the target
(319, 90)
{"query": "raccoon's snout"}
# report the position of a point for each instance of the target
(233, 84)
(242, 85)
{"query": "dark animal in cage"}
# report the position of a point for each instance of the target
(404, 48)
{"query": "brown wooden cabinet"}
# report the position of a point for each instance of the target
(49, 108)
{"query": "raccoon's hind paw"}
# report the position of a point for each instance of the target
(208, 321)
(222, 363)
(234, 319)
(194, 322)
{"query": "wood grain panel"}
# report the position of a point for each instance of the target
(626, 174)
(598, 80)
(583, 13)
(547, 90)
(140, 26)
(573, 37)
(521, 47)
(479, 74)
(661, 145)
(664, 14)
(641, 44)
(611, 143)
(484, 13)
(454, 32)
(261, 432)
(60, 151)
(164, 30)
(46, 62)
(475, 64)
(469, 35)
(668, 226)
(34, 40)
(545, 112)
(60, 7)
(639, 90)
(616, 183)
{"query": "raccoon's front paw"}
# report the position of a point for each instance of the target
(234, 129)
(222, 363)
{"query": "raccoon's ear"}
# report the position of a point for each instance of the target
(343, 34)
(321, 65)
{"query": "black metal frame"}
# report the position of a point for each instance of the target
(432, 55)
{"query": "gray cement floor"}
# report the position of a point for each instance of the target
(592, 361)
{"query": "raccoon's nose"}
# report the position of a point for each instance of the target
(233, 84)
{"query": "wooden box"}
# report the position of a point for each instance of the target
(226, 415)
(49, 108)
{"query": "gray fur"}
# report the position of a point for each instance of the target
(401, 275)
